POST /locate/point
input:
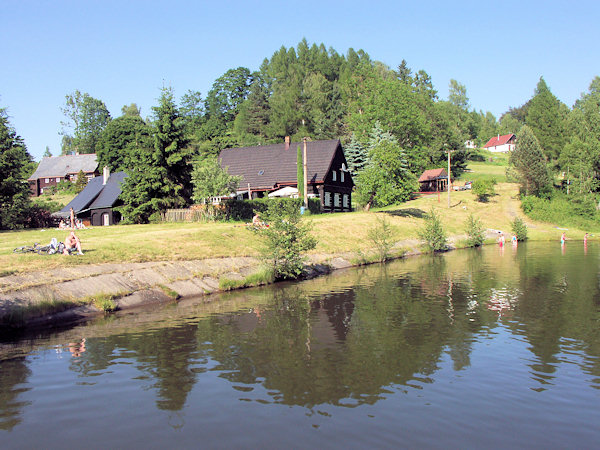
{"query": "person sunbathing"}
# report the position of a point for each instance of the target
(72, 242)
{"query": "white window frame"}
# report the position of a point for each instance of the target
(47, 180)
(336, 200)
(345, 201)
(327, 199)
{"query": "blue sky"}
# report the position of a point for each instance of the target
(124, 51)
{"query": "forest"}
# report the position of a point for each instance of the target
(391, 122)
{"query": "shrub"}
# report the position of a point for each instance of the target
(475, 231)
(286, 239)
(519, 229)
(484, 188)
(433, 233)
(244, 210)
(380, 235)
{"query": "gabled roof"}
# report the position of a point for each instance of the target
(59, 166)
(499, 140)
(433, 174)
(267, 166)
(96, 195)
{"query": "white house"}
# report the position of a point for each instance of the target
(504, 143)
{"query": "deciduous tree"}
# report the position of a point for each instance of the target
(529, 163)
(87, 117)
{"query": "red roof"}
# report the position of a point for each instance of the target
(499, 140)
(433, 174)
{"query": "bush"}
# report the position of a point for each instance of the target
(433, 233)
(475, 231)
(564, 210)
(519, 229)
(380, 236)
(484, 188)
(286, 239)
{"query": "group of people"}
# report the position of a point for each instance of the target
(563, 239)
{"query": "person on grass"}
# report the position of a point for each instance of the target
(72, 242)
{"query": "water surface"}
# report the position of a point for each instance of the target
(475, 348)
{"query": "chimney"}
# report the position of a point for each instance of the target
(105, 174)
(287, 142)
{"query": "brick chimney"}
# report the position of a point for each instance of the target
(105, 174)
(287, 142)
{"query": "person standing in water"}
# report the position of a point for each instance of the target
(563, 238)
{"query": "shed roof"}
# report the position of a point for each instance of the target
(267, 166)
(59, 166)
(433, 174)
(96, 195)
(499, 140)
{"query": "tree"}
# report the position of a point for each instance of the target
(171, 146)
(286, 239)
(546, 116)
(580, 158)
(210, 180)
(16, 164)
(356, 155)
(457, 95)
(119, 138)
(386, 179)
(483, 188)
(131, 110)
(80, 182)
(87, 118)
(529, 164)
(47, 153)
(228, 92)
(159, 175)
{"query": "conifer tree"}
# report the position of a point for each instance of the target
(16, 165)
(546, 116)
(529, 163)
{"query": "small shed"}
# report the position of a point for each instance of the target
(433, 180)
(95, 204)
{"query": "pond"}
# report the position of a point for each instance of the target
(482, 348)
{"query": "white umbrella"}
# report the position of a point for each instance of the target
(287, 191)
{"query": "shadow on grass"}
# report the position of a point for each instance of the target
(407, 212)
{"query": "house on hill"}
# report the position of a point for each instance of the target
(96, 202)
(57, 169)
(433, 180)
(504, 143)
(268, 168)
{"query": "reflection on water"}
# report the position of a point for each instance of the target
(465, 342)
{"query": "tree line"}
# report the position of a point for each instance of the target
(392, 123)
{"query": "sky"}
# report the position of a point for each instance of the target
(125, 51)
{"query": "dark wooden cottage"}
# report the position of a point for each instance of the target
(59, 169)
(433, 180)
(267, 168)
(95, 204)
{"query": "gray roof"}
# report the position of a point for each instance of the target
(96, 195)
(266, 166)
(59, 166)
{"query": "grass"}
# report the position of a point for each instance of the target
(336, 233)
(19, 315)
(264, 276)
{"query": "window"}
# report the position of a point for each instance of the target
(47, 180)
(58, 180)
(327, 198)
(342, 176)
(345, 201)
(334, 175)
(336, 200)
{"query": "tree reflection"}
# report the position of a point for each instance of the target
(13, 372)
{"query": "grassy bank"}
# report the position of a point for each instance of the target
(336, 233)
